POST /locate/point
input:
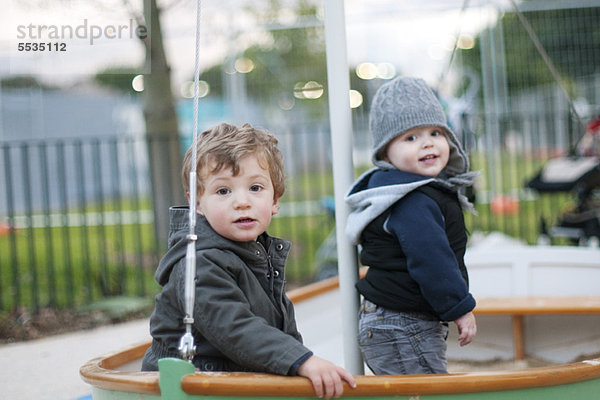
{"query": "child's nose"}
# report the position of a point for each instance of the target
(241, 200)
(428, 142)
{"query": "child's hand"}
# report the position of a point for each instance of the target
(325, 376)
(467, 328)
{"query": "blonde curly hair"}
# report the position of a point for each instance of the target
(224, 145)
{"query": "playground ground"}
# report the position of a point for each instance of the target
(48, 368)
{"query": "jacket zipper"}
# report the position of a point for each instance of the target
(270, 273)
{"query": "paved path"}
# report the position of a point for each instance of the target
(48, 368)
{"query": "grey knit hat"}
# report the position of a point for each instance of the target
(405, 103)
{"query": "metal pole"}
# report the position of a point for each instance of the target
(343, 174)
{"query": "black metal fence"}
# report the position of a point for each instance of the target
(76, 222)
(77, 219)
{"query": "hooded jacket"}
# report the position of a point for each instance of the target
(412, 236)
(243, 321)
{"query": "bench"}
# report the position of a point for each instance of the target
(518, 307)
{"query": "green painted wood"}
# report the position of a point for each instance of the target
(587, 390)
(103, 394)
(172, 370)
(175, 370)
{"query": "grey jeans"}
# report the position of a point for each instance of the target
(400, 343)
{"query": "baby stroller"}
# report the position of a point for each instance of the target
(579, 175)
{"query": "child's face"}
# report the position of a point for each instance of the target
(239, 207)
(423, 150)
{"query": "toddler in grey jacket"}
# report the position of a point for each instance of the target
(243, 320)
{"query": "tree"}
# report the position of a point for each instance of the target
(159, 112)
(162, 131)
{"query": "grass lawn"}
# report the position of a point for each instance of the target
(69, 266)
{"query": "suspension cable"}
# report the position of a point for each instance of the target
(455, 47)
(540, 48)
(187, 349)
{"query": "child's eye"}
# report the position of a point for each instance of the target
(410, 138)
(223, 191)
(436, 133)
(255, 188)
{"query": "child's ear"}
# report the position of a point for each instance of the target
(187, 195)
(275, 208)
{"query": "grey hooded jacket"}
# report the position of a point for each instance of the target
(243, 321)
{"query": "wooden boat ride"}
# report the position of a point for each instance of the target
(116, 376)
(177, 380)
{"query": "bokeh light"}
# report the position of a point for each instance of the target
(244, 65)
(286, 102)
(369, 70)
(298, 90)
(356, 98)
(137, 83)
(312, 90)
(308, 90)
(466, 42)
(187, 89)
(366, 71)
(386, 71)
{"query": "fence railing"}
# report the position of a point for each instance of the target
(76, 222)
(76, 215)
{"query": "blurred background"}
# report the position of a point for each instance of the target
(93, 125)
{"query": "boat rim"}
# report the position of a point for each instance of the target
(101, 372)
